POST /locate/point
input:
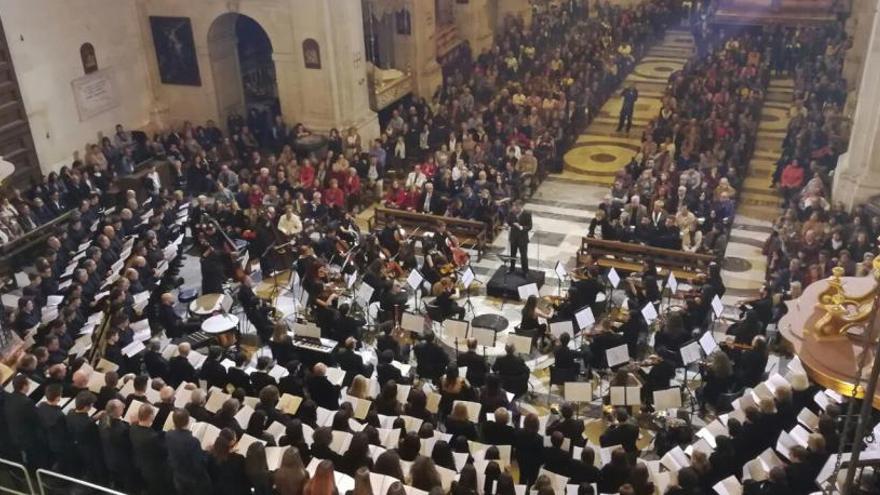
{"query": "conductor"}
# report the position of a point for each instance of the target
(520, 222)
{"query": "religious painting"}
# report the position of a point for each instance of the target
(89, 60)
(311, 54)
(175, 50)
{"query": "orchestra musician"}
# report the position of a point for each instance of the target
(322, 295)
(390, 239)
(444, 290)
(531, 326)
(255, 309)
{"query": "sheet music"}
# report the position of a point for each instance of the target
(557, 328)
(527, 290)
(617, 355)
(484, 336)
(414, 279)
(412, 322)
(467, 277)
(649, 312)
(717, 306)
(585, 318)
(456, 328)
(560, 270)
(521, 343)
(690, 353)
(672, 283)
(613, 277)
(667, 399)
(578, 391)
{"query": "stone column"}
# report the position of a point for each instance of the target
(335, 93)
(418, 49)
(287, 82)
(859, 26)
(857, 177)
(474, 24)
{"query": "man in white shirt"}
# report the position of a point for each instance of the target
(416, 177)
(289, 224)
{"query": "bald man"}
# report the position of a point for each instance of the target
(179, 368)
(174, 325)
(164, 407)
(116, 445)
(148, 452)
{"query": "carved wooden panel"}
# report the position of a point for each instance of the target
(16, 141)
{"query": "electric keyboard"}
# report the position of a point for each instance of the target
(324, 346)
(196, 340)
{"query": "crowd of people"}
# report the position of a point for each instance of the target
(159, 417)
(679, 190)
(814, 234)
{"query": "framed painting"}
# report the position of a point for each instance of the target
(175, 50)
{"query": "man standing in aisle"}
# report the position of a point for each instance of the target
(520, 222)
(627, 107)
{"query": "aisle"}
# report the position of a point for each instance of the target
(601, 151)
(759, 205)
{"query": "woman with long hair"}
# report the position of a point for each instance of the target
(357, 456)
(387, 404)
(362, 485)
(442, 455)
(530, 324)
(291, 477)
(466, 483)
(453, 387)
(388, 463)
(359, 388)
(323, 483)
(458, 423)
(423, 474)
(226, 467)
(257, 470)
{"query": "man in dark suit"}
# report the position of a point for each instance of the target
(141, 382)
(499, 432)
(324, 393)
(565, 359)
(148, 453)
(52, 422)
(351, 362)
(429, 201)
(431, 359)
(173, 324)
(26, 434)
(509, 364)
(164, 407)
(568, 426)
(477, 368)
(84, 434)
(261, 378)
(179, 368)
(212, 371)
(622, 433)
(386, 371)
(520, 222)
(196, 407)
(156, 364)
(187, 460)
(557, 460)
(109, 391)
(116, 445)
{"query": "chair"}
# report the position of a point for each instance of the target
(434, 312)
(724, 404)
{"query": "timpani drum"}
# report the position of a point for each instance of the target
(222, 327)
(208, 304)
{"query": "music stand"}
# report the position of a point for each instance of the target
(468, 277)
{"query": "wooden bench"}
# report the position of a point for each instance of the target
(631, 257)
(470, 233)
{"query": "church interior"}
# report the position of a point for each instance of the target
(445, 247)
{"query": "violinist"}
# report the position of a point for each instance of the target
(322, 295)
(376, 277)
(434, 260)
(444, 291)
(671, 337)
(306, 261)
(390, 238)
(530, 325)
(331, 247)
(348, 229)
(587, 286)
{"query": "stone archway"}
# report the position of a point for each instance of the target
(242, 66)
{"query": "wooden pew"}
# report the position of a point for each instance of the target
(631, 257)
(470, 233)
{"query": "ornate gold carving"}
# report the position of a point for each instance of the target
(842, 311)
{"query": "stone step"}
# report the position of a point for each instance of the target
(759, 212)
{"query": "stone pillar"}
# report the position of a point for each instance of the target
(419, 49)
(333, 92)
(857, 177)
(474, 24)
(515, 8)
(859, 26)
(287, 82)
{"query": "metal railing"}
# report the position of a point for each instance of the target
(15, 479)
(52, 483)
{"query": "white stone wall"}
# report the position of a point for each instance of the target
(44, 40)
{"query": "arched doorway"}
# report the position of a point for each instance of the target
(243, 69)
